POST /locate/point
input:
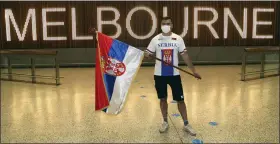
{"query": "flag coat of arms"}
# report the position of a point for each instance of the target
(117, 64)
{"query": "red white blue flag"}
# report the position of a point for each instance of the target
(117, 64)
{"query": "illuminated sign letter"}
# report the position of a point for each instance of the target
(46, 24)
(255, 23)
(74, 28)
(227, 13)
(154, 25)
(101, 22)
(186, 24)
(207, 23)
(30, 15)
(164, 12)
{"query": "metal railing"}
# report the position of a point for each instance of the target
(262, 52)
(31, 54)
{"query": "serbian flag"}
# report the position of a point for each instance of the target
(117, 64)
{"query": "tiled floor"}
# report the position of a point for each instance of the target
(244, 111)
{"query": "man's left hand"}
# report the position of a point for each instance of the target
(196, 75)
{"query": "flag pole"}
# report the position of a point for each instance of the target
(93, 29)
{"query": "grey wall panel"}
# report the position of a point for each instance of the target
(83, 57)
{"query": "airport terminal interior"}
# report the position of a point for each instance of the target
(49, 72)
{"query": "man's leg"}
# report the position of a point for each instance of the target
(164, 108)
(161, 88)
(178, 95)
(183, 111)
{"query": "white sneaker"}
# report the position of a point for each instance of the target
(164, 127)
(188, 128)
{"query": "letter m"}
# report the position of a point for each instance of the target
(9, 17)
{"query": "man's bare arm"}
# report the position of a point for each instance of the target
(188, 62)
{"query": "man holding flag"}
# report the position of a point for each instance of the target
(117, 64)
(166, 47)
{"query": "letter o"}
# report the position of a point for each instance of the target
(154, 19)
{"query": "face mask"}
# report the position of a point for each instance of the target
(165, 28)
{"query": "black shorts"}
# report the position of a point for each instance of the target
(175, 84)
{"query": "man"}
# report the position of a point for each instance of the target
(167, 46)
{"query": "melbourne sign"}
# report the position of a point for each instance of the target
(66, 24)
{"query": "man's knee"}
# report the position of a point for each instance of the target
(163, 100)
(181, 102)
